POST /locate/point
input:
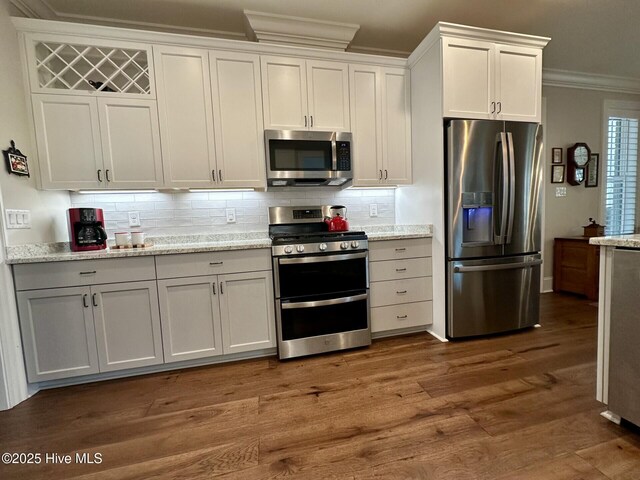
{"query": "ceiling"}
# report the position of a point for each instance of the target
(592, 36)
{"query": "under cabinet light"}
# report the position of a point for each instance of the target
(97, 192)
(197, 190)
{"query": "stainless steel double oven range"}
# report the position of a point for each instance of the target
(321, 282)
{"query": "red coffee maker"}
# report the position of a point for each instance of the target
(86, 229)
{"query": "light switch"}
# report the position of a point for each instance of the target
(231, 215)
(18, 219)
(373, 209)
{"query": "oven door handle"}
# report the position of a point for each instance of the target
(326, 258)
(324, 303)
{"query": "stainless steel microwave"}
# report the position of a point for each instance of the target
(307, 158)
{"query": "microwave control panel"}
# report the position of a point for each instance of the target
(343, 150)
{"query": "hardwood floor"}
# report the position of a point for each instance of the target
(518, 406)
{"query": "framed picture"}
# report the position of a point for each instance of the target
(592, 171)
(16, 161)
(557, 174)
(556, 155)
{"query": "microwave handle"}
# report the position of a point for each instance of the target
(334, 153)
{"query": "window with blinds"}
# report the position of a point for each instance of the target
(622, 174)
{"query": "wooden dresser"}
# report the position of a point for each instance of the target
(575, 266)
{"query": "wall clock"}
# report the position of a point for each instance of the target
(577, 158)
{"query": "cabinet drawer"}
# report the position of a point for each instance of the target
(394, 292)
(399, 249)
(395, 317)
(83, 272)
(398, 269)
(213, 263)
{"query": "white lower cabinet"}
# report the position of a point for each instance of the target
(190, 318)
(211, 315)
(247, 311)
(401, 285)
(58, 334)
(127, 322)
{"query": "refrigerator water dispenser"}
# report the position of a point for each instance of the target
(477, 215)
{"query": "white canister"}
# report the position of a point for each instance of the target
(137, 238)
(122, 239)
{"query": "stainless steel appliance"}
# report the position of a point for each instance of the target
(494, 179)
(321, 282)
(308, 158)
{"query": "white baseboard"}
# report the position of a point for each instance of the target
(547, 285)
(442, 339)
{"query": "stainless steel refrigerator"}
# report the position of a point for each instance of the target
(494, 182)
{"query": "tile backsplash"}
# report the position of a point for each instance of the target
(174, 213)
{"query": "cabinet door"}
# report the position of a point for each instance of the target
(127, 322)
(396, 126)
(284, 93)
(468, 78)
(328, 84)
(68, 138)
(366, 123)
(519, 83)
(58, 334)
(186, 116)
(237, 110)
(130, 143)
(190, 317)
(247, 311)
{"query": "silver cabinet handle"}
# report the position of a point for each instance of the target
(493, 107)
(92, 272)
(213, 174)
(219, 175)
(106, 174)
(401, 292)
(380, 175)
(401, 249)
(214, 287)
(94, 299)
(400, 317)
(215, 263)
(499, 107)
(323, 303)
(221, 288)
(84, 301)
(100, 176)
(401, 269)
(311, 116)
(305, 120)
(386, 174)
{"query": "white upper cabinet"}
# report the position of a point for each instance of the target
(130, 143)
(487, 80)
(381, 123)
(186, 117)
(328, 85)
(305, 94)
(68, 161)
(519, 83)
(237, 112)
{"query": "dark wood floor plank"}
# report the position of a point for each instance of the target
(618, 459)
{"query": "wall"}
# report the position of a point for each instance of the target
(165, 213)
(573, 115)
(47, 208)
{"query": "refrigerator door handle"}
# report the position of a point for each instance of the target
(503, 266)
(512, 186)
(500, 240)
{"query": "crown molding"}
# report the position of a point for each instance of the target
(267, 27)
(35, 9)
(379, 51)
(590, 81)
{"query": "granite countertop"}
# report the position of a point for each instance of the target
(166, 245)
(632, 241)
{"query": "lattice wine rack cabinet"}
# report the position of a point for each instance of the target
(72, 66)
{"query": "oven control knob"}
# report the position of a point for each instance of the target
(344, 245)
(300, 248)
(288, 249)
(322, 247)
(355, 244)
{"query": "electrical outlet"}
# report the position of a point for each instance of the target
(134, 219)
(18, 219)
(561, 191)
(231, 215)
(373, 209)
